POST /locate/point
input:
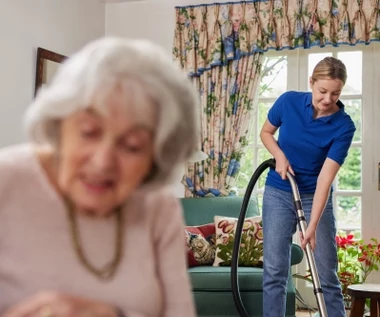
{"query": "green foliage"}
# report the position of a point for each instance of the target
(356, 261)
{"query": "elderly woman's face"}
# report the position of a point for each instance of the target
(104, 157)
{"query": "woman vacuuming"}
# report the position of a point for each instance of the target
(315, 134)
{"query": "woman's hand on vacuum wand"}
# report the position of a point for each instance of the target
(326, 176)
(283, 166)
(267, 137)
(309, 237)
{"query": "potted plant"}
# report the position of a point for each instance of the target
(356, 260)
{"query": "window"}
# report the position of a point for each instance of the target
(273, 84)
(347, 185)
(289, 70)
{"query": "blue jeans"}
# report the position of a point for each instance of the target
(279, 225)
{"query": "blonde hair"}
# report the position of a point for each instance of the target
(110, 62)
(329, 67)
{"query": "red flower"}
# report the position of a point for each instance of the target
(377, 251)
(343, 242)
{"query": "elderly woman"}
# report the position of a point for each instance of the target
(87, 224)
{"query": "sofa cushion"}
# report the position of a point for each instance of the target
(213, 278)
(200, 244)
(251, 246)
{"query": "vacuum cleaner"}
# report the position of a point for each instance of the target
(270, 163)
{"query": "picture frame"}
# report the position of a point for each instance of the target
(46, 65)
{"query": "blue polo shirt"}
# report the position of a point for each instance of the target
(306, 141)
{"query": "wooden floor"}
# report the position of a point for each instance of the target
(303, 313)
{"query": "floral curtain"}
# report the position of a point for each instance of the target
(221, 46)
(226, 95)
(202, 30)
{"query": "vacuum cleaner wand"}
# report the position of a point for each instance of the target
(271, 163)
(309, 253)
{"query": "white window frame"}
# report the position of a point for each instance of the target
(297, 80)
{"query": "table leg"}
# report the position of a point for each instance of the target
(357, 309)
(373, 308)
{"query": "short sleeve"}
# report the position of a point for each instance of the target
(275, 114)
(339, 148)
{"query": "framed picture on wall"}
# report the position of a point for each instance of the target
(46, 65)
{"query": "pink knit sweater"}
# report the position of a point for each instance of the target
(36, 251)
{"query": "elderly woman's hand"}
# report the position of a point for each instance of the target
(53, 304)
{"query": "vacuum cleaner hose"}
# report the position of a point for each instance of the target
(239, 228)
(271, 163)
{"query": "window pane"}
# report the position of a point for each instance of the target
(354, 109)
(262, 114)
(273, 76)
(262, 155)
(350, 174)
(246, 168)
(313, 60)
(354, 65)
(260, 202)
(348, 213)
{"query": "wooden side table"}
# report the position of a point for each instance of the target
(359, 293)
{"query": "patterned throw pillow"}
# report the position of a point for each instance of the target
(251, 245)
(200, 244)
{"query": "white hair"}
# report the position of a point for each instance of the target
(107, 63)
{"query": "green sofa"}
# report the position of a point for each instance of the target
(212, 285)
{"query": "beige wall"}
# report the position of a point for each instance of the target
(150, 19)
(58, 25)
